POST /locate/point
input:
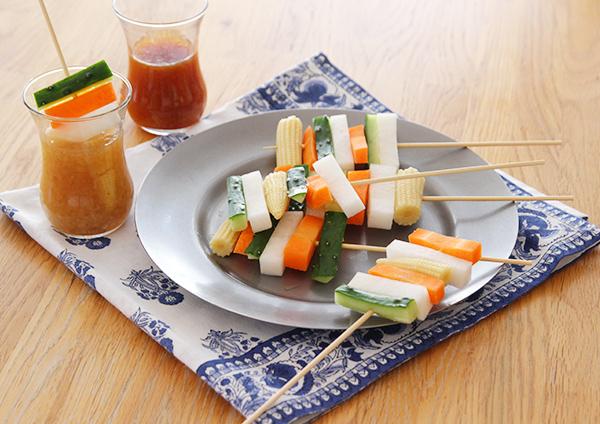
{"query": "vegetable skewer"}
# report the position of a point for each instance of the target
(451, 144)
(381, 249)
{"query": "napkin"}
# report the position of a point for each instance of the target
(246, 361)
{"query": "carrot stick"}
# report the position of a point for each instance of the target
(358, 142)
(243, 241)
(309, 147)
(318, 193)
(301, 246)
(468, 250)
(363, 193)
(84, 103)
(434, 286)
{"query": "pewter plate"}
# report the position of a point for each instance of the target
(183, 201)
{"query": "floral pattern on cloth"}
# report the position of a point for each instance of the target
(95, 243)
(315, 83)
(10, 212)
(546, 235)
(165, 143)
(79, 267)
(155, 328)
(153, 284)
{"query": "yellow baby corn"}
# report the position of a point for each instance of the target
(409, 193)
(275, 188)
(289, 141)
(424, 266)
(223, 242)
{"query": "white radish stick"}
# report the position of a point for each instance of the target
(341, 141)
(341, 190)
(461, 269)
(386, 131)
(380, 213)
(54, 37)
(294, 380)
(271, 259)
(449, 171)
(256, 206)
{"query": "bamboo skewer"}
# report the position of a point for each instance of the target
(449, 171)
(566, 197)
(381, 249)
(347, 333)
(54, 38)
(453, 144)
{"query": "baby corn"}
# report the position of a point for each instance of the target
(424, 266)
(409, 193)
(289, 142)
(275, 188)
(223, 242)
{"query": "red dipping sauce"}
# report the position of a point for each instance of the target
(168, 87)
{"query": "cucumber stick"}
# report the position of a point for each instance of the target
(400, 310)
(372, 134)
(75, 82)
(259, 241)
(326, 260)
(236, 203)
(323, 136)
(296, 183)
(296, 206)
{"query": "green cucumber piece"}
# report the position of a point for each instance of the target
(372, 134)
(296, 183)
(259, 241)
(75, 82)
(236, 203)
(296, 206)
(323, 136)
(325, 263)
(400, 310)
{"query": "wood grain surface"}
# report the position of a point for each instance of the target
(475, 70)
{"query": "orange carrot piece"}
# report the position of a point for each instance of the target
(301, 246)
(434, 286)
(469, 250)
(309, 148)
(284, 168)
(362, 191)
(243, 241)
(358, 142)
(318, 193)
(84, 103)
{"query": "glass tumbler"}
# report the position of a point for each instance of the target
(169, 93)
(85, 188)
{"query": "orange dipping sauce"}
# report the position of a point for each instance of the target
(85, 187)
(168, 87)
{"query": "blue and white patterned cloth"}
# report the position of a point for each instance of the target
(246, 361)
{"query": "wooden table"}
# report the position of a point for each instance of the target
(493, 70)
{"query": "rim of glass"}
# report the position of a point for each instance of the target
(33, 109)
(192, 18)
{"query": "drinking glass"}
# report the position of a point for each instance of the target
(169, 94)
(85, 187)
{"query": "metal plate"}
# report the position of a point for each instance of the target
(183, 201)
